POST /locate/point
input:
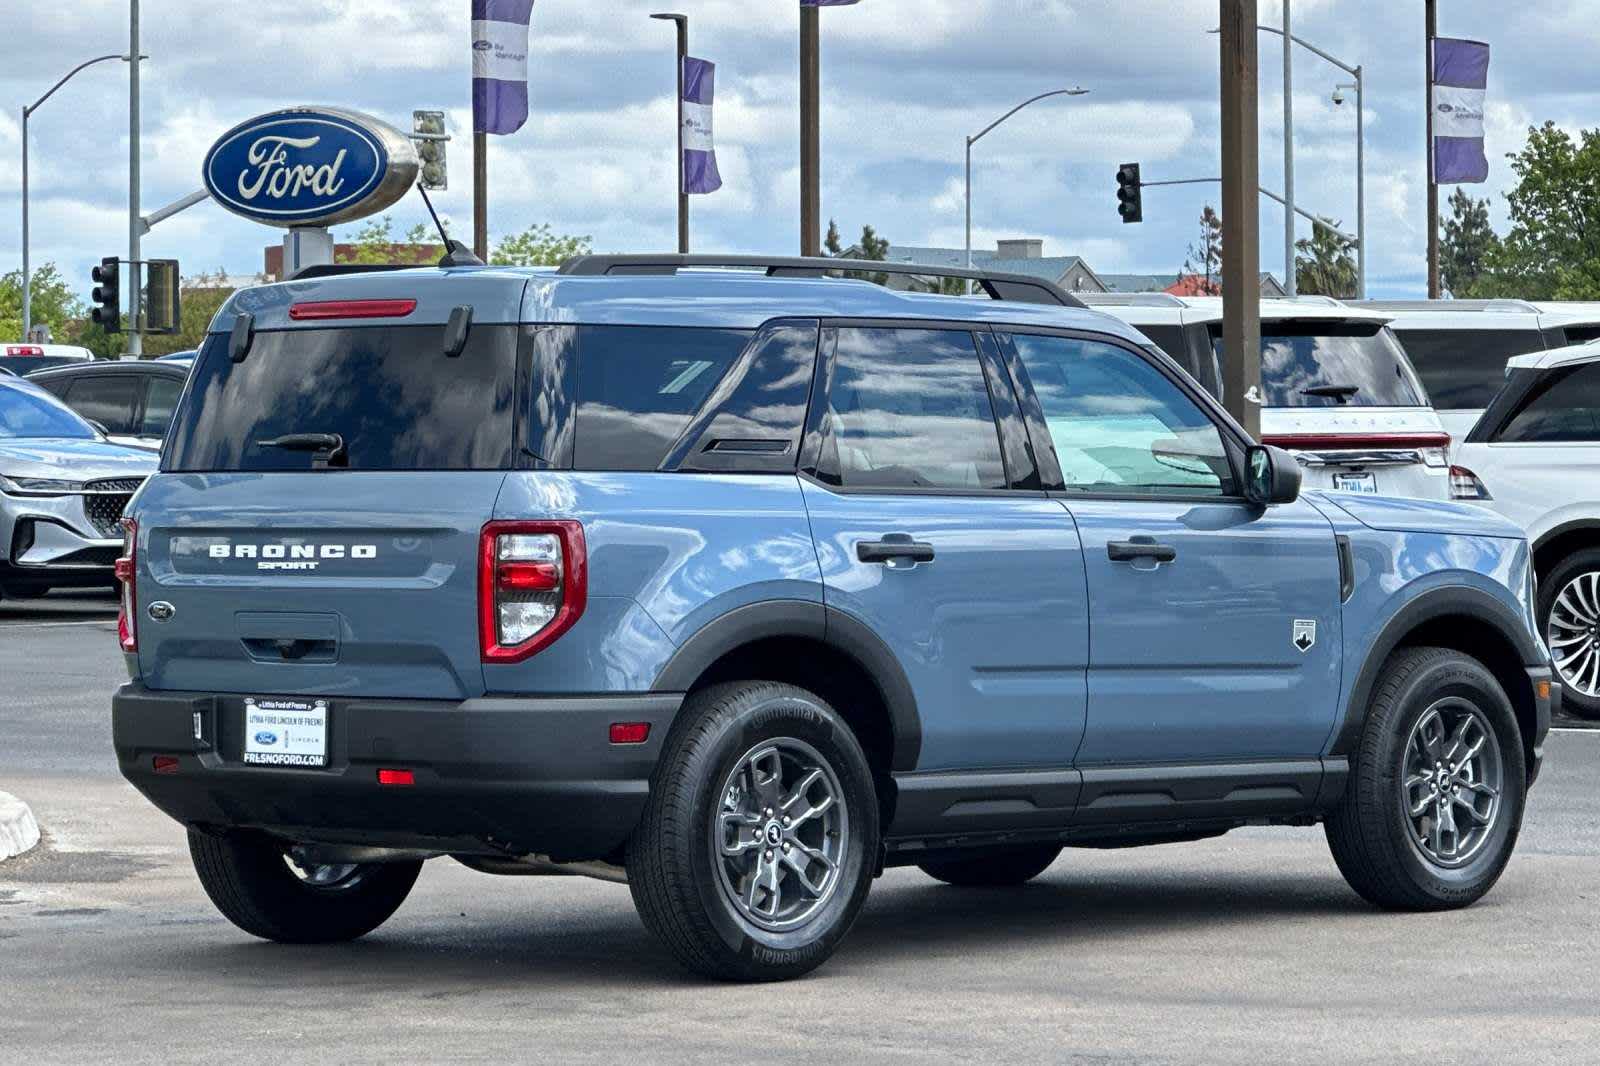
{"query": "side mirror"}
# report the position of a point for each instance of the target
(99, 427)
(1271, 476)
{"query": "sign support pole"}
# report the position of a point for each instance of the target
(1432, 31)
(480, 194)
(135, 273)
(810, 132)
(1241, 216)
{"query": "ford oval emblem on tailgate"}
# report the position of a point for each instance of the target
(162, 611)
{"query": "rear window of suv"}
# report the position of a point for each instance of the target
(1331, 364)
(390, 393)
(1464, 368)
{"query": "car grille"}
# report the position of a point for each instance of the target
(104, 502)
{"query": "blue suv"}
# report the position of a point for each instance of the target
(740, 582)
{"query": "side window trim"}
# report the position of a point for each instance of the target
(1233, 438)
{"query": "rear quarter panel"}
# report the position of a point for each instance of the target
(668, 553)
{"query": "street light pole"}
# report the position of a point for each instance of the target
(135, 301)
(683, 196)
(27, 111)
(1074, 91)
(1290, 283)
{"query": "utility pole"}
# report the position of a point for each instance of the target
(1241, 216)
(810, 131)
(135, 221)
(1290, 283)
(480, 195)
(1432, 31)
(683, 195)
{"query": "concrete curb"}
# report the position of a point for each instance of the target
(18, 830)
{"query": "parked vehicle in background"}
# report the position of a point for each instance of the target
(1460, 347)
(1534, 456)
(63, 488)
(740, 586)
(186, 357)
(1336, 388)
(24, 359)
(132, 400)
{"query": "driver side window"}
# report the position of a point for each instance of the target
(1121, 426)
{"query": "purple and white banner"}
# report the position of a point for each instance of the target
(1460, 78)
(500, 65)
(700, 173)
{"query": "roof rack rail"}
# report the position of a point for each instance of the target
(1018, 288)
(1131, 299)
(1502, 305)
(334, 270)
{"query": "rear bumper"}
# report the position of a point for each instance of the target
(494, 776)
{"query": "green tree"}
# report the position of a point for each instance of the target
(1325, 263)
(54, 304)
(538, 246)
(1468, 245)
(1204, 260)
(1552, 249)
(876, 249)
(832, 243)
(375, 242)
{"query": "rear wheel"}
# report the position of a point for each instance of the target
(756, 849)
(1434, 803)
(1014, 866)
(260, 888)
(1569, 612)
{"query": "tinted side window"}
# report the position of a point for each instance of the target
(1119, 424)
(753, 422)
(1566, 409)
(160, 398)
(638, 387)
(1464, 368)
(909, 408)
(106, 400)
(1170, 340)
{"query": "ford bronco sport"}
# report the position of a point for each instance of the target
(741, 585)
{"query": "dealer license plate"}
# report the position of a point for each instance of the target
(1356, 482)
(280, 732)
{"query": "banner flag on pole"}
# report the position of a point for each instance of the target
(500, 65)
(700, 173)
(1460, 81)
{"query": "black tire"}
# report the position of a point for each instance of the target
(1371, 831)
(1013, 866)
(1573, 701)
(676, 872)
(248, 879)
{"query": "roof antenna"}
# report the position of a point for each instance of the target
(456, 254)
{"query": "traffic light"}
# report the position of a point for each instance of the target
(1130, 195)
(425, 127)
(107, 296)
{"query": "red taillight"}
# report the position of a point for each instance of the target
(630, 732)
(126, 570)
(1311, 442)
(397, 778)
(1465, 485)
(533, 584)
(321, 309)
(164, 764)
(24, 349)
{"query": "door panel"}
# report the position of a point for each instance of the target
(1195, 659)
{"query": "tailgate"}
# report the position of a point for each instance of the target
(320, 583)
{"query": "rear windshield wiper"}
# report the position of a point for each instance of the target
(1342, 393)
(329, 447)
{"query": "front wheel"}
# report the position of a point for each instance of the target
(756, 849)
(259, 887)
(1569, 612)
(1434, 803)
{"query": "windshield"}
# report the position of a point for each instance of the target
(28, 414)
(373, 398)
(1333, 364)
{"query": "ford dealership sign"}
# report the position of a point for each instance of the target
(310, 166)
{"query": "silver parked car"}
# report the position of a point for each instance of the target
(63, 487)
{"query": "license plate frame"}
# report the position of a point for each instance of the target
(1365, 482)
(285, 733)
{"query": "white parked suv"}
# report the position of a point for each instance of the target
(1460, 347)
(1336, 387)
(1534, 456)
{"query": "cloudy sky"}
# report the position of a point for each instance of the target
(904, 81)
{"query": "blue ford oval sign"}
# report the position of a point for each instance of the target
(310, 167)
(266, 739)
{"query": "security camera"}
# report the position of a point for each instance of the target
(1338, 97)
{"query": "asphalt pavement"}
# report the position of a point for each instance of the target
(1246, 948)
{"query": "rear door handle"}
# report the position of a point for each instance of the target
(894, 548)
(1127, 551)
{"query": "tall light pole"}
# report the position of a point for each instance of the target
(28, 110)
(810, 131)
(981, 134)
(1290, 283)
(135, 299)
(683, 195)
(1241, 215)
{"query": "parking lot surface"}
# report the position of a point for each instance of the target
(1246, 948)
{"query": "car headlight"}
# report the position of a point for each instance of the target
(38, 486)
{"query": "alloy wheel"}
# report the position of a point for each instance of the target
(780, 833)
(1573, 633)
(1452, 783)
(325, 877)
